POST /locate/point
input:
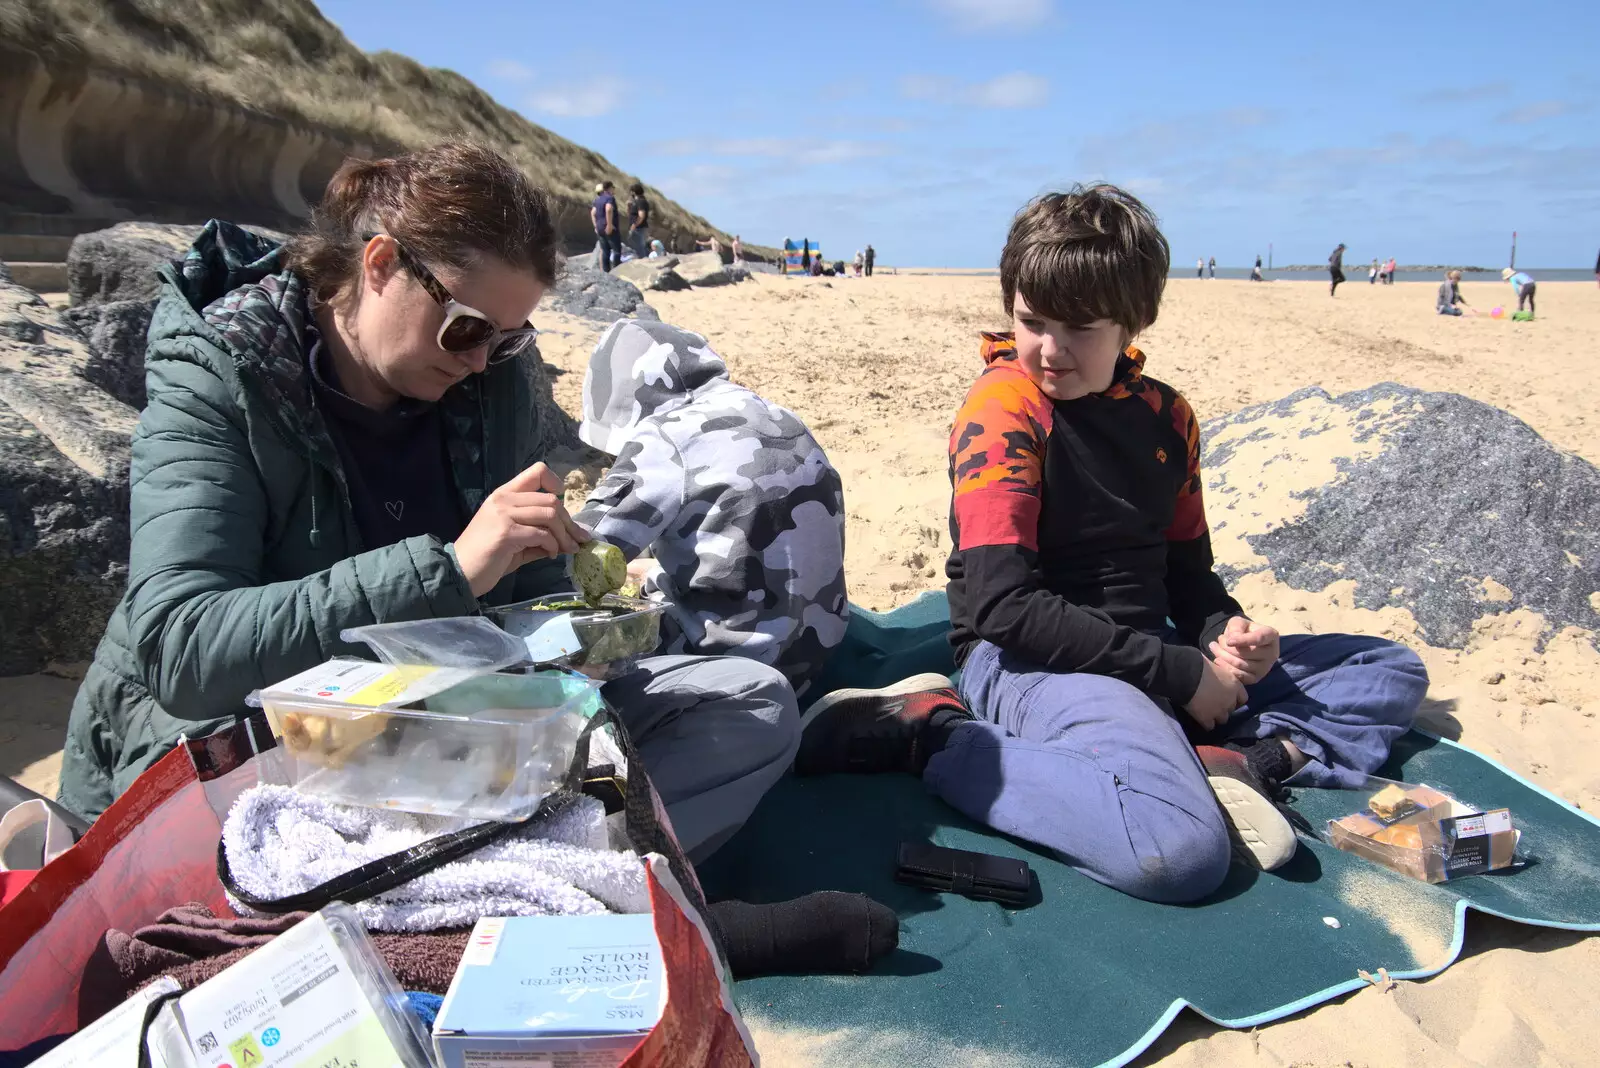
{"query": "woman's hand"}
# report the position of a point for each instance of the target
(522, 521)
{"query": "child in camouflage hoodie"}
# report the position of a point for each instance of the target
(729, 493)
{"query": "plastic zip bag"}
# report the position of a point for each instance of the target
(1425, 833)
(455, 641)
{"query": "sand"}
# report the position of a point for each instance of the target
(877, 367)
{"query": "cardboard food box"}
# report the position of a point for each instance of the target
(316, 996)
(1427, 835)
(553, 991)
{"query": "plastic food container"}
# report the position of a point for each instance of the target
(562, 629)
(456, 741)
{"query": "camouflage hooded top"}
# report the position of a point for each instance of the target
(730, 493)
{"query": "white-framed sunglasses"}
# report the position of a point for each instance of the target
(465, 328)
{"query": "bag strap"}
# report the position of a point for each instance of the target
(151, 1011)
(396, 869)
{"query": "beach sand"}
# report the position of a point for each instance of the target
(877, 368)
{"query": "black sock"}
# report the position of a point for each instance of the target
(1267, 759)
(936, 734)
(827, 932)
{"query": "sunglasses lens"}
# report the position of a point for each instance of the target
(464, 333)
(511, 348)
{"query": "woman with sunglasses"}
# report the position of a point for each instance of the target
(340, 432)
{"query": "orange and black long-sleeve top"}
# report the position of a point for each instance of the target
(1078, 527)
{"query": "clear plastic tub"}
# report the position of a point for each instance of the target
(448, 741)
(562, 629)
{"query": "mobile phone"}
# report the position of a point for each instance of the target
(980, 876)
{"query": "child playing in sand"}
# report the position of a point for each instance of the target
(1523, 283)
(735, 500)
(1097, 643)
(1450, 294)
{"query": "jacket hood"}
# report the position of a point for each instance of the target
(642, 368)
(222, 258)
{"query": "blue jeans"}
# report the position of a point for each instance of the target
(1099, 772)
(610, 250)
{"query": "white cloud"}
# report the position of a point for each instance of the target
(1542, 109)
(995, 14)
(510, 70)
(700, 181)
(794, 149)
(583, 101)
(1018, 89)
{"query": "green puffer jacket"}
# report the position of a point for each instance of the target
(245, 561)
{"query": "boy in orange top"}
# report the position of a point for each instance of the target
(1112, 692)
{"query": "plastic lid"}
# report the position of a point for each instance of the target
(458, 641)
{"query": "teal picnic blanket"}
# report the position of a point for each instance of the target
(1088, 976)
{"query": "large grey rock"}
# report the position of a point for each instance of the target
(116, 336)
(703, 269)
(5, 272)
(119, 263)
(1433, 502)
(593, 294)
(648, 274)
(64, 448)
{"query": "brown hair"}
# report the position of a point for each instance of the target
(450, 204)
(1088, 254)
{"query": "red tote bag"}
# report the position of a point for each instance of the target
(156, 847)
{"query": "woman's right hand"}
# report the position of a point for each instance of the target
(522, 521)
(1220, 693)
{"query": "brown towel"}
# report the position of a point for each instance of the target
(191, 944)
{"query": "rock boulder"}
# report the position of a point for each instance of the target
(1433, 502)
(648, 274)
(591, 293)
(703, 269)
(64, 448)
(115, 333)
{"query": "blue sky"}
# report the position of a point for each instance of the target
(1423, 130)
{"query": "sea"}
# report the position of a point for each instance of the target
(1352, 274)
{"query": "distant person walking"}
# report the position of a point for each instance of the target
(1372, 273)
(1213, 266)
(1336, 268)
(639, 221)
(738, 251)
(860, 263)
(1597, 268)
(1388, 272)
(805, 255)
(1450, 295)
(604, 216)
(872, 255)
(1522, 282)
(1199, 268)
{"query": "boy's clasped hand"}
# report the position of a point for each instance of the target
(1241, 656)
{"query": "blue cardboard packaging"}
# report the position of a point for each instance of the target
(553, 991)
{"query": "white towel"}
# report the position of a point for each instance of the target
(279, 843)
